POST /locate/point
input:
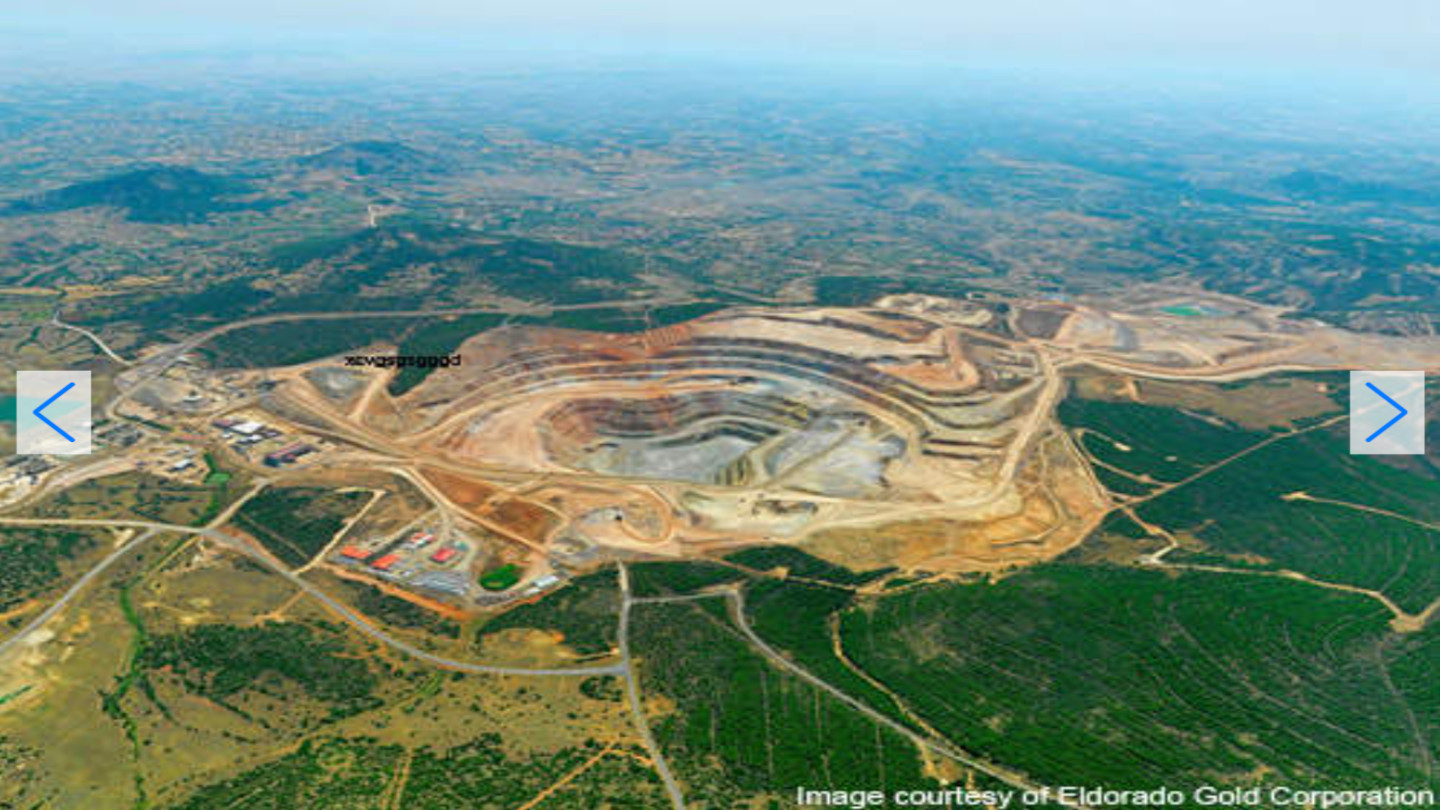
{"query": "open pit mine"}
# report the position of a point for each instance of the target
(903, 435)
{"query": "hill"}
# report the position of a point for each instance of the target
(404, 264)
(157, 194)
(414, 261)
(373, 158)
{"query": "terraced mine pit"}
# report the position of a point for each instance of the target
(750, 426)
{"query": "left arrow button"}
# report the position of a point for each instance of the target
(47, 404)
(54, 413)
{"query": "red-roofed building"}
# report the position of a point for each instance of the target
(287, 455)
(354, 553)
(385, 563)
(444, 555)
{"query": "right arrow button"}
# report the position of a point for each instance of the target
(1387, 413)
(1391, 423)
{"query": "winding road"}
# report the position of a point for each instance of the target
(94, 338)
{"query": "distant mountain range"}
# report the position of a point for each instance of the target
(155, 194)
(1332, 188)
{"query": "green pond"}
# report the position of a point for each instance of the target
(1192, 311)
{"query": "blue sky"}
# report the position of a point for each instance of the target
(1324, 33)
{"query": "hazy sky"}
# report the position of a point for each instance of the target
(1337, 33)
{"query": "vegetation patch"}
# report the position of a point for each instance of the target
(1159, 443)
(742, 729)
(436, 338)
(860, 291)
(802, 620)
(676, 578)
(136, 495)
(296, 523)
(330, 773)
(216, 475)
(360, 772)
(34, 560)
(501, 578)
(1298, 500)
(219, 661)
(393, 610)
(480, 773)
(23, 771)
(289, 343)
(604, 688)
(585, 612)
(793, 562)
(1134, 678)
